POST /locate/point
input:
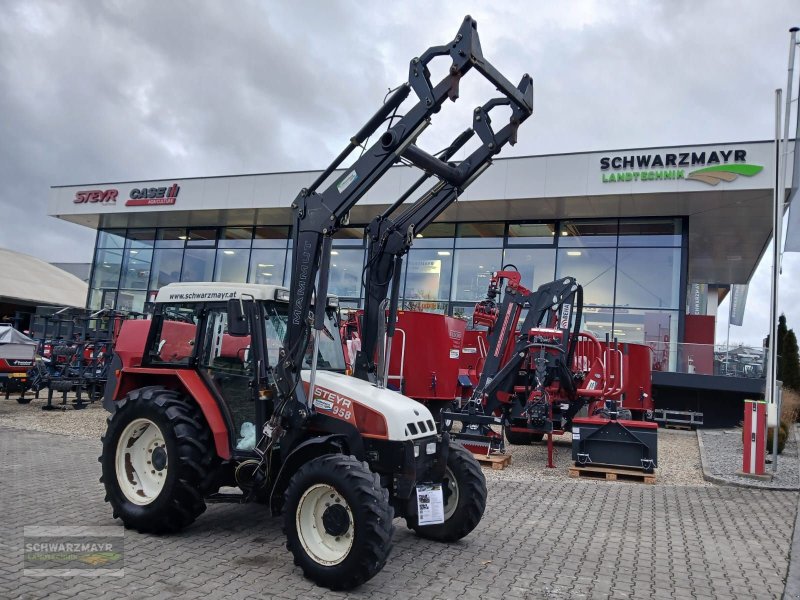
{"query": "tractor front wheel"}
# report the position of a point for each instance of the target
(338, 521)
(464, 489)
(156, 455)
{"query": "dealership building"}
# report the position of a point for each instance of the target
(656, 236)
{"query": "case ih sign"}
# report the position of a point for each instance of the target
(153, 196)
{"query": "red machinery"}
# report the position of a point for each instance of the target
(431, 372)
(536, 376)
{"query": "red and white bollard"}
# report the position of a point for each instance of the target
(755, 437)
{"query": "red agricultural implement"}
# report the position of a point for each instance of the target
(531, 373)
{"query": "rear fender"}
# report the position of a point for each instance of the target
(185, 381)
(308, 450)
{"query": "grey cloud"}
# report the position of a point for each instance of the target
(102, 91)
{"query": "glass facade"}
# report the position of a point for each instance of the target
(630, 268)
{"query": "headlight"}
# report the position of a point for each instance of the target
(430, 448)
(416, 451)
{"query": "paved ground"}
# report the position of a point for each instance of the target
(549, 539)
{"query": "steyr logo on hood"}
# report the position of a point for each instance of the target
(154, 196)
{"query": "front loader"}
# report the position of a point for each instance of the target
(244, 386)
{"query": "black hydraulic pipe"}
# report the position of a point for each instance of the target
(393, 102)
(434, 165)
(322, 284)
(395, 298)
(457, 144)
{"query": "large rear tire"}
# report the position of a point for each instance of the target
(338, 521)
(464, 498)
(156, 455)
(521, 438)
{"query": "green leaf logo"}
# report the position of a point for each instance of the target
(713, 175)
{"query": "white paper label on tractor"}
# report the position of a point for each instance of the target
(576, 433)
(454, 353)
(430, 504)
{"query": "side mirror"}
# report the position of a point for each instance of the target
(237, 318)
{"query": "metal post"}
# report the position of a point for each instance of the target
(776, 432)
(776, 222)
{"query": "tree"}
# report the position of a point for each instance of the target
(782, 330)
(791, 361)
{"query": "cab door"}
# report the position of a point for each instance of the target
(228, 362)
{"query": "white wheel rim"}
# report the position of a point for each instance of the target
(451, 499)
(139, 479)
(323, 547)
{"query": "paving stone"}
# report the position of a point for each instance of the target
(613, 540)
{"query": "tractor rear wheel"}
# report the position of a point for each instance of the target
(156, 455)
(464, 489)
(522, 438)
(338, 521)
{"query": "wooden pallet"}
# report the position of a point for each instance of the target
(678, 426)
(612, 474)
(497, 461)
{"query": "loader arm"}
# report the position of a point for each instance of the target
(317, 215)
(390, 238)
(544, 306)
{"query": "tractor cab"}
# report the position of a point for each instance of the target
(208, 329)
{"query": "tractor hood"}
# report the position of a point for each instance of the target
(374, 411)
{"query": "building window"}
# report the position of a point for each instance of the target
(111, 238)
(583, 234)
(428, 274)
(347, 266)
(107, 264)
(536, 265)
(532, 233)
(166, 267)
(349, 236)
(593, 268)
(648, 277)
(198, 264)
(232, 264)
(140, 238)
(473, 271)
(269, 236)
(650, 232)
(480, 235)
(267, 266)
(436, 235)
(171, 238)
(136, 269)
(201, 238)
(236, 237)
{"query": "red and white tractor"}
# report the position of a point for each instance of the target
(242, 385)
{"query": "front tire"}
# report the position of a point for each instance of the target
(338, 521)
(464, 489)
(156, 456)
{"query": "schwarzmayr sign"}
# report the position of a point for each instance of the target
(715, 166)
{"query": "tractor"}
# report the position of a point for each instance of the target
(244, 386)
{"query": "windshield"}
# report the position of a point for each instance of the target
(330, 356)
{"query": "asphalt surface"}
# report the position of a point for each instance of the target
(546, 539)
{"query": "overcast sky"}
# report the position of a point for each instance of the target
(107, 91)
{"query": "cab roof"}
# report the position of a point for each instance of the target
(216, 291)
(206, 291)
